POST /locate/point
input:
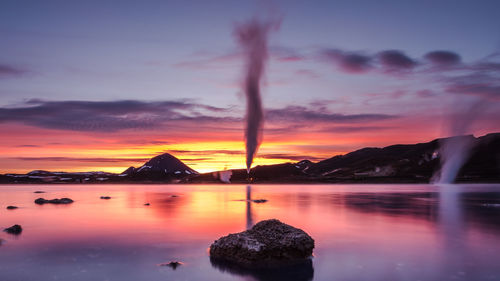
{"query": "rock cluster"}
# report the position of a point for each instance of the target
(268, 243)
(42, 201)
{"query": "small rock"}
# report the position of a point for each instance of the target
(39, 191)
(147, 204)
(106, 197)
(12, 207)
(15, 229)
(173, 196)
(41, 201)
(268, 243)
(259, 200)
(172, 264)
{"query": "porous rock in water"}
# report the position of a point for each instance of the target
(42, 201)
(15, 229)
(12, 207)
(268, 243)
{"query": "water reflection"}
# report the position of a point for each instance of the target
(369, 232)
(249, 207)
(302, 271)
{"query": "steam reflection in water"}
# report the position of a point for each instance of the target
(369, 232)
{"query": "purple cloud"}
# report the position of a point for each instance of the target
(396, 60)
(108, 116)
(8, 70)
(443, 57)
(351, 62)
(483, 90)
(304, 114)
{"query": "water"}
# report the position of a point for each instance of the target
(362, 232)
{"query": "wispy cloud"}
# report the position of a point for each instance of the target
(108, 116)
(9, 70)
(112, 116)
(304, 114)
(80, 159)
(293, 157)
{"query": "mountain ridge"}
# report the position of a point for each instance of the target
(412, 163)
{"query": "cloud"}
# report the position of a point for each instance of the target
(483, 90)
(293, 157)
(351, 62)
(304, 114)
(169, 117)
(396, 60)
(425, 93)
(355, 129)
(8, 70)
(108, 116)
(207, 152)
(485, 85)
(443, 57)
(28, 145)
(79, 159)
(285, 54)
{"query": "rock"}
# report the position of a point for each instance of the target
(147, 204)
(259, 200)
(12, 207)
(42, 201)
(39, 191)
(172, 264)
(268, 243)
(106, 197)
(15, 229)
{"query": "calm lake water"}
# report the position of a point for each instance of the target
(362, 232)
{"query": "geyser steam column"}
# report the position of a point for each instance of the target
(252, 36)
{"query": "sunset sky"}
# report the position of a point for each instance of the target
(104, 85)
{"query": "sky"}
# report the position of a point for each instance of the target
(104, 85)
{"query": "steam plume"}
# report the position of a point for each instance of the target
(252, 37)
(455, 151)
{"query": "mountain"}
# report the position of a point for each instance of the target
(412, 163)
(409, 163)
(161, 167)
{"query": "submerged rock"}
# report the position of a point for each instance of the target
(172, 264)
(268, 243)
(259, 200)
(41, 201)
(12, 207)
(39, 191)
(106, 197)
(147, 204)
(15, 229)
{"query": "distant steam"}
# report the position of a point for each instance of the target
(455, 151)
(252, 36)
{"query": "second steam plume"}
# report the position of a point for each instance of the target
(252, 37)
